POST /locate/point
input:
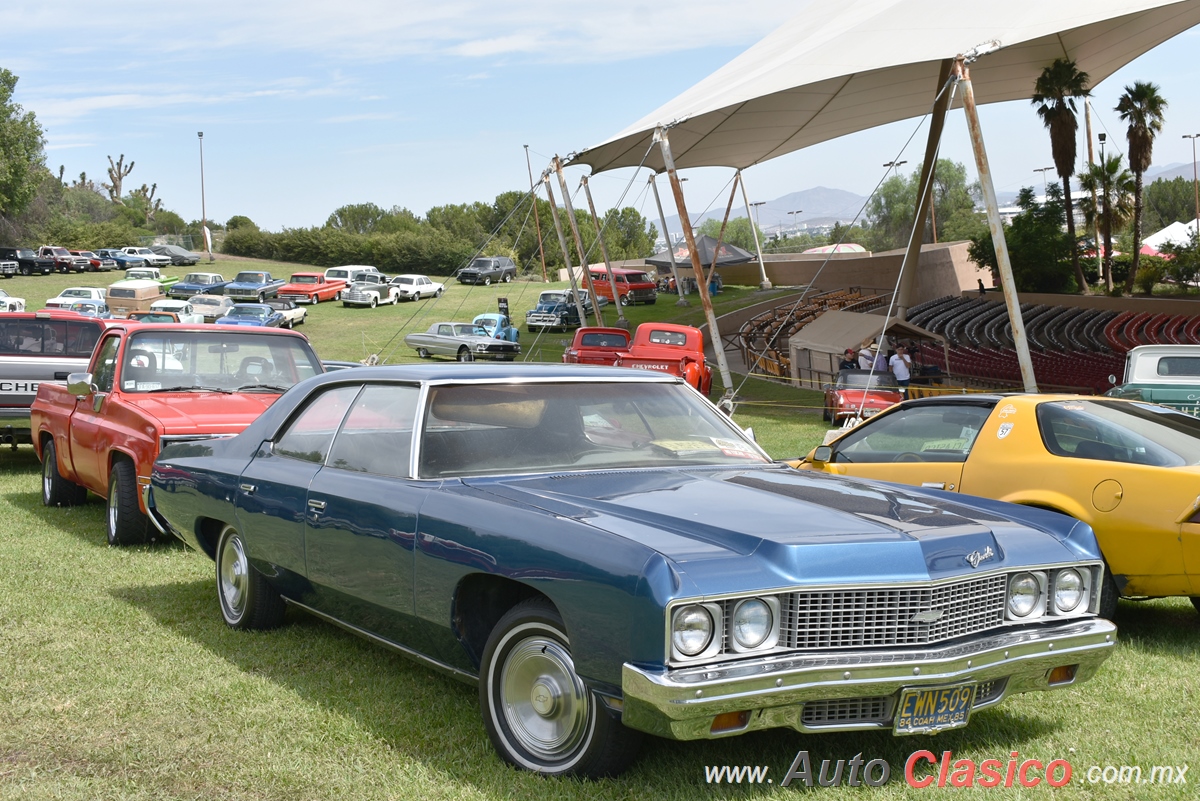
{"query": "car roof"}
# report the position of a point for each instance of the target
(504, 371)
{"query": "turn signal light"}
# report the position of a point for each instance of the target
(730, 721)
(1064, 674)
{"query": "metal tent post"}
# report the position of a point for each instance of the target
(562, 243)
(583, 262)
(662, 218)
(762, 268)
(996, 225)
(622, 322)
(706, 301)
(912, 257)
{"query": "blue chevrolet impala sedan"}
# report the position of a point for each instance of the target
(605, 554)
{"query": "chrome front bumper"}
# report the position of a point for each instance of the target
(681, 703)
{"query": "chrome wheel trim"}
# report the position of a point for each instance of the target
(114, 513)
(47, 466)
(234, 573)
(543, 701)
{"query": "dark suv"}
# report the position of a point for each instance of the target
(28, 261)
(488, 269)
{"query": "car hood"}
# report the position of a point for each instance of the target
(727, 528)
(252, 321)
(203, 412)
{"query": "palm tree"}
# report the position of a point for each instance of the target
(1113, 189)
(1142, 108)
(1054, 94)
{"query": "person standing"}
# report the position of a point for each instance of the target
(866, 357)
(901, 365)
(849, 361)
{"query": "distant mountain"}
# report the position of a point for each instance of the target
(814, 207)
(1169, 172)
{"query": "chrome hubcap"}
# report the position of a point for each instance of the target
(234, 570)
(112, 510)
(544, 702)
(47, 466)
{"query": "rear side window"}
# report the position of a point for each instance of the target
(917, 434)
(1179, 365)
(309, 435)
(377, 434)
(48, 337)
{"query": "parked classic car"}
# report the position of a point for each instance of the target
(369, 289)
(95, 262)
(1166, 374)
(9, 303)
(415, 287)
(579, 542)
(124, 260)
(597, 345)
(149, 256)
(182, 309)
(311, 288)
(633, 286)
(254, 314)
(74, 293)
(860, 393)
(464, 341)
(1128, 469)
(180, 257)
(133, 295)
(151, 274)
(345, 272)
(670, 348)
(253, 285)
(486, 269)
(147, 385)
(92, 308)
(293, 315)
(213, 307)
(198, 284)
(498, 325)
(64, 260)
(28, 262)
(556, 309)
(9, 268)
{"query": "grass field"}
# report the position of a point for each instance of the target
(118, 679)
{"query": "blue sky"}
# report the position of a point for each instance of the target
(306, 106)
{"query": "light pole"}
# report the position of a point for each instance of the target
(1104, 188)
(755, 207)
(1043, 171)
(1195, 183)
(895, 164)
(793, 216)
(203, 211)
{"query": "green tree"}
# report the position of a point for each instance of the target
(1165, 202)
(1054, 94)
(22, 156)
(892, 209)
(1113, 188)
(240, 221)
(1038, 247)
(1184, 265)
(737, 233)
(356, 218)
(1142, 108)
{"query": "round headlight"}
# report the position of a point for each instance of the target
(752, 622)
(692, 630)
(1068, 590)
(1024, 592)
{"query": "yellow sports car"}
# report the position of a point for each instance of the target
(1131, 470)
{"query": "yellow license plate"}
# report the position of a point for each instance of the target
(923, 710)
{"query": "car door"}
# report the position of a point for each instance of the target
(90, 437)
(362, 515)
(272, 493)
(922, 445)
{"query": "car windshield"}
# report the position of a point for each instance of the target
(481, 429)
(552, 297)
(1137, 433)
(25, 253)
(866, 379)
(160, 361)
(403, 279)
(304, 279)
(77, 293)
(250, 278)
(202, 300)
(248, 311)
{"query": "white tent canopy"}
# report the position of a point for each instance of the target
(1177, 233)
(827, 73)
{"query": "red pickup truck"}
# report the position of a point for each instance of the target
(666, 347)
(149, 384)
(311, 288)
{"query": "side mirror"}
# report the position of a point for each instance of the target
(821, 454)
(1112, 379)
(80, 384)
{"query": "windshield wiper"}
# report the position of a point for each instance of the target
(267, 387)
(192, 388)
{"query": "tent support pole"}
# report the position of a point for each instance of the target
(583, 262)
(622, 322)
(662, 218)
(996, 225)
(686, 223)
(765, 284)
(912, 258)
(562, 243)
(724, 223)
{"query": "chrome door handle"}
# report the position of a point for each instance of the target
(934, 485)
(249, 489)
(317, 506)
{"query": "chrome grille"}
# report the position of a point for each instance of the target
(842, 711)
(875, 618)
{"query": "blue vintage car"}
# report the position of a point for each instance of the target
(603, 553)
(124, 260)
(255, 314)
(253, 285)
(498, 326)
